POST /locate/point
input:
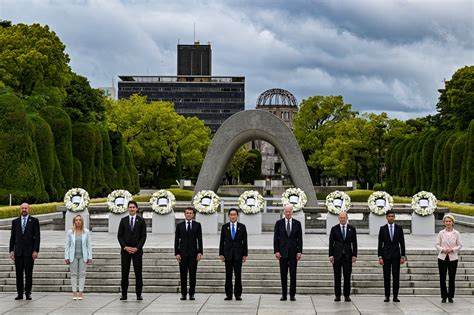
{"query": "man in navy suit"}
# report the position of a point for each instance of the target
(188, 251)
(342, 254)
(391, 252)
(24, 249)
(233, 250)
(288, 248)
(132, 236)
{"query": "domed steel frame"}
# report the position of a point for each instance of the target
(276, 97)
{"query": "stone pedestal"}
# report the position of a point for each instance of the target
(422, 225)
(163, 223)
(208, 222)
(375, 222)
(253, 222)
(331, 220)
(114, 221)
(70, 215)
(300, 216)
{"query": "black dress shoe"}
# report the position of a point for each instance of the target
(28, 297)
(238, 298)
(19, 297)
(283, 298)
(292, 298)
(139, 298)
(228, 298)
(183, 298)
(347, 299)
(395, 299)
(337, 299)
(443, 300)
(191, 297)
(123, 298)
(387, 299)
(450, 300)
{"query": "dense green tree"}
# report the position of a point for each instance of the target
(83, 103)
(456, 102)
(110, 173)
(33, 62)
(314, 125)
(457, 155)
(83, 143)
(469, 166)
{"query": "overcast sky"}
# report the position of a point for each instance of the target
(380, 55)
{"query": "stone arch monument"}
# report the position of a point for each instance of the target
(246, 126)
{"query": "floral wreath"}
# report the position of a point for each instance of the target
(376, 209)
(294, 192)
(424, 210)
(257, 202)
(345, 202)
(211, 197)
(112, 197)
(162, 208)
(74, 206)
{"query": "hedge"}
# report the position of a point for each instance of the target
(457, 154)
(20, 172)
(118, 154)
(101, 188)
(83, 143)
(110, 173)
(469, 157)
(61, 127)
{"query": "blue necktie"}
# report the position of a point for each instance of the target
(391, 233)
(233, 231)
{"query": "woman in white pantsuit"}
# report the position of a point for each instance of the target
(77, 254)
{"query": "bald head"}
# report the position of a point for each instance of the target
(342, 217)
(25, 209)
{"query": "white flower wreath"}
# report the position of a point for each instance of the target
(163, 201)
(338, 201)
(424, 203)
(117, 201)
(76, 199)
(251, 202)
(206, 202)
(380, 202)
(294, 197)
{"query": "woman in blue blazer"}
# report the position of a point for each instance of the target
(77, 254)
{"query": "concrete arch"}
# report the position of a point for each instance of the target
(251, 125)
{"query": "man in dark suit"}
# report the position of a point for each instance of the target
(24, 249)
(391, 252)
(132, 236)
(342, 254)
(188, 251)
(233, 250)
(288, 248)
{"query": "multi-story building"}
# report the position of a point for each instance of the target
(193, 91)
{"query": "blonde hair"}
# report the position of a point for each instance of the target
(74, 222)
(449, 216)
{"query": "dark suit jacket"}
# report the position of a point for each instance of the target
(129, 238)
(233, 249)
(27, 243)
(288, 247)
(188, 244)
(388, 249)
(340, 248)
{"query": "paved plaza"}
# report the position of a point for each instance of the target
(61, 303)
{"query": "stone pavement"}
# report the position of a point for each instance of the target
(61, 303)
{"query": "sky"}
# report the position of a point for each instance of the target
(380, 55)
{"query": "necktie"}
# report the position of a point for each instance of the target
(131, 224)
(189, 226)
(344, 232)
(233, 231)
(288, 228)
(23, 225)
(391, 232)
